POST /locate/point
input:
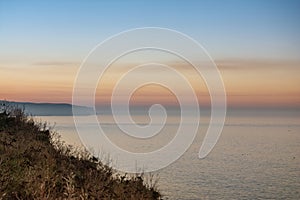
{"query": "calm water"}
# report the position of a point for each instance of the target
(256, 157)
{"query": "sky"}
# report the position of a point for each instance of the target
(255, 45)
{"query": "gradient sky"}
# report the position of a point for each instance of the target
(255, 44)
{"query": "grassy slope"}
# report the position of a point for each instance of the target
(33, 165)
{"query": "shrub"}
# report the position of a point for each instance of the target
(35, 164)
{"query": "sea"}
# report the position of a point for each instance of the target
(257, 155)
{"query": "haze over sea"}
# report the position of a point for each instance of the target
(257, 155)
(234, 53)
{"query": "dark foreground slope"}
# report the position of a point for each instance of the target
(33, 165)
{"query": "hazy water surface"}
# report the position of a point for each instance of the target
(256, 157)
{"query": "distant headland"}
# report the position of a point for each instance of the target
(48, 109)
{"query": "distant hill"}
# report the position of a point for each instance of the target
(48, 109)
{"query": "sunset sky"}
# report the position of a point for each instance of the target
(255, 44)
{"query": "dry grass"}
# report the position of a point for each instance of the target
(34, 164)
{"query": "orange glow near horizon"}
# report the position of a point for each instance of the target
(247, 84)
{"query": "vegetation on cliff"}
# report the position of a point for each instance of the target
(34, 164)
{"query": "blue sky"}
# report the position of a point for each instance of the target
(67, 30)
(255, 43)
